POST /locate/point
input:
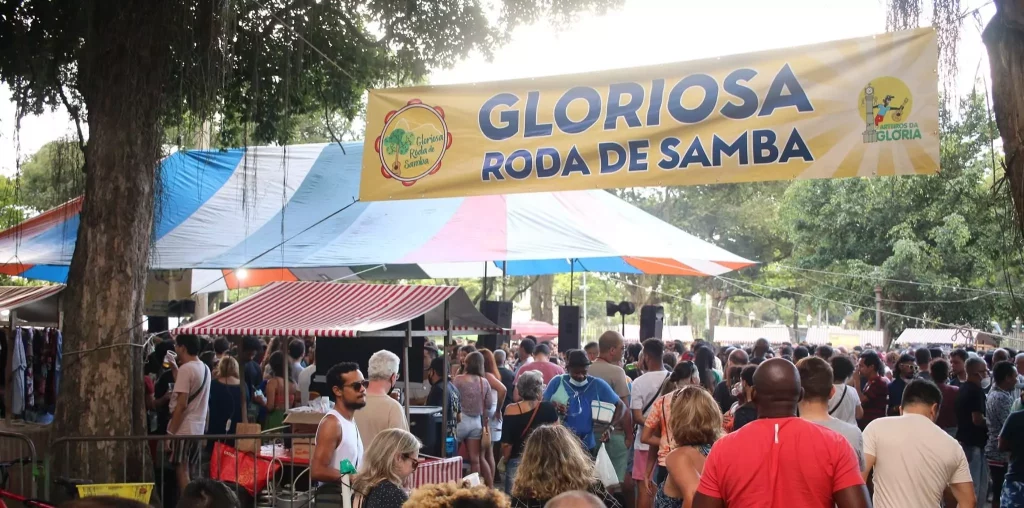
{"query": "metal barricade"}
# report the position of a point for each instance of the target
(272, 477)
(18, 462)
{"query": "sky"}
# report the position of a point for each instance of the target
(642, 32)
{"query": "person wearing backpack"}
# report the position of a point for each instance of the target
(191, 402)
(586, 404)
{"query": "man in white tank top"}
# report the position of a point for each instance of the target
(337, 436)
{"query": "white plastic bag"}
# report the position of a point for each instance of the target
(605, 470)
(346, 491)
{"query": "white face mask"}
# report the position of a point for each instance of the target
(987, 382)
(577, 383)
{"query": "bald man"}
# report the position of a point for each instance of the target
(780, 459)
(575, 499)
(608, 368)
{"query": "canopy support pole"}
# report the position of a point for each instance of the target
(444, 378)
(572, 277)
(405, 366)
(9, 370)
(504, 278)
(287, 376)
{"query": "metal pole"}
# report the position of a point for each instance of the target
(878, 307)
(444, 377)
(287, 375)
(9, 392)
(584, 288)
(504, 278)
(572, 277)
(405, 365)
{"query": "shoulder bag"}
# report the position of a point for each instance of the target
(840, 402)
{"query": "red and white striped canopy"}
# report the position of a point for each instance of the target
(325, 309)
(12, 297)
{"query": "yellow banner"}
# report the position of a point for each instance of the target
(859, 107)
(136, 491)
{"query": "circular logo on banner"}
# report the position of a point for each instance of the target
(413, 142)
(885, 105)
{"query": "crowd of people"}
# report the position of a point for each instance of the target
(680, 425)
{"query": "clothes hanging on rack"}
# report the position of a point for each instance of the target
(52, 357)
(18, 375)
(30, 392)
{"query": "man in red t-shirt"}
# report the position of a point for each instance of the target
(780, 460)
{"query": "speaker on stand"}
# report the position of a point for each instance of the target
(568, 327)
(651, 321)
(501, 314)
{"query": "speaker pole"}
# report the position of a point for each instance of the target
(623, 325)
(572, 277)
(504, 278)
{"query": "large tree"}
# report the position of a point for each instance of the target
(132, 70)
(1004, 40)
(941, 231)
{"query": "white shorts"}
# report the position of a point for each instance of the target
(470, 427)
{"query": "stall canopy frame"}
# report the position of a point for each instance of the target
(41, 305)
(326, 309)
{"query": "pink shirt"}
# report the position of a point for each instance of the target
(547, 369)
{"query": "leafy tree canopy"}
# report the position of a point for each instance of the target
(946, 229)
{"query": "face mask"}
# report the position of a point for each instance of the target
(737, 389)
(574, 382)
(985, 383)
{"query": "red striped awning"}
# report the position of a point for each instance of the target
(12, 297)
(323, 309)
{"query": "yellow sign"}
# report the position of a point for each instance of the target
(136, 491)
(859, 107)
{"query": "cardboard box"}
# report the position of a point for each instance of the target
(302, 449)
(304, 422)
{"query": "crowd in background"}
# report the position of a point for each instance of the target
(659, 424)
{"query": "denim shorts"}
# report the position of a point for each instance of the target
(470, 427)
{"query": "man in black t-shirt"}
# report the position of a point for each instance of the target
(972, 430)
(436, 396)
(508, 377)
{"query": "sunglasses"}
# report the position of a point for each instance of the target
(358, 386)
(415, 461)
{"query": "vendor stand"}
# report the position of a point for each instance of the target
(28, 307)
(326, 310)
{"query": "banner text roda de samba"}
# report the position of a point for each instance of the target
(860, 107)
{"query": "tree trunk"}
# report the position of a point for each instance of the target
(1004, 38)
(123, 75)
(542, 298)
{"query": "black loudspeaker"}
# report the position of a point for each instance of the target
(651, 317)
(333, 350)
(568, 327)
(157, 324)
(501, 314)
(181, 307)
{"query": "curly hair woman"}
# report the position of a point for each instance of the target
(554, 461)
(450, 495)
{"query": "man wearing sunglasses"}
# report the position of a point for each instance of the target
(337, 435)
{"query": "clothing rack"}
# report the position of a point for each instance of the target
(11, 331)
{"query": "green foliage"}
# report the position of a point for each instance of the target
(52, 176)
(941, 229)
(259, 69)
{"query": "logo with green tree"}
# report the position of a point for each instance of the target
(413, 142)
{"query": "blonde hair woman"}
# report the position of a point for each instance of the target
(391, 458)
(554, 461)
(695, 424)
(656, 432)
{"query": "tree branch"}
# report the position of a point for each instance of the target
(519, 292)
